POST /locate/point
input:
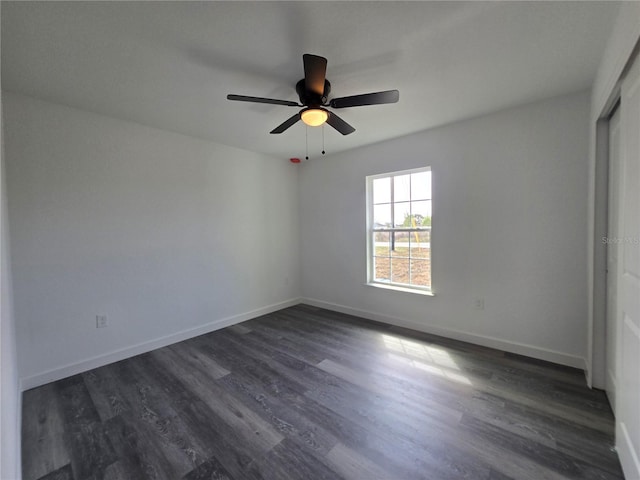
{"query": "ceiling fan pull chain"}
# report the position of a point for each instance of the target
(323, 139)
(306, 140)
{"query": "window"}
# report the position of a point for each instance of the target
(399, 229)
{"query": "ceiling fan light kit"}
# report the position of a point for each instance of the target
(314, 117)
(313, 91)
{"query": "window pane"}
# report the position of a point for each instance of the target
(381, 244)
(421, 273)
(381, 216)
(421, 186)
(400, 244)
(420, 244)
(401, 186)
(382, 269)
(401, 213)
(400, 270)
(421, 210)
(382, 190)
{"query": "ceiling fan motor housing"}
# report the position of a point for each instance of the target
(311, 99)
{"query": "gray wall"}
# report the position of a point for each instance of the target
(510, 221)
(167, 235)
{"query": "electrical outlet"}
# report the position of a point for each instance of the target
(101, 321)
(478, 303)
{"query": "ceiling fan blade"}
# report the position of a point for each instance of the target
(315, 70)
(286, 124)
(273, 101)
(377, 98)
(339, 124)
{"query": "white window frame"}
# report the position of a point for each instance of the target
(371, 231)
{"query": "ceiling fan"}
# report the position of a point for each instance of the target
(313, 91)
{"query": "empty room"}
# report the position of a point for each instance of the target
(320, 240)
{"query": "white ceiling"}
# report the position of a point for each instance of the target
(171, 64)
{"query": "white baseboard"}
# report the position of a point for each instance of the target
(587, 374)
(627, 453)
(11, 464)
(485, 341)
(127, 352)
(19, 433)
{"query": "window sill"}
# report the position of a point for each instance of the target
(398, 288)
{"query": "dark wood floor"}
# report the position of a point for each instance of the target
(309, 394)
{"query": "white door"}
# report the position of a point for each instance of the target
(613, 238)
(628, 388)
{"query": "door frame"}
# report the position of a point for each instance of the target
(614, 196)
(605, 97)
(596, 363)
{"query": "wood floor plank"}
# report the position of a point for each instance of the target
(307, 393)
(105, 390)
(378, 387)
(63, 473)
(550, 458)
(139, 450)
(89, 449)
(289, 461)
(211, 469)
(234, 448)
(275, 396)
(353, 466)
(240, 329)
(201, 361)
(271, 335)
(155, 420)
(276, 408)
(505, 463)
(206, 428)
(496, 475)
(43, 429)
(588, 444)
(233, 412)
